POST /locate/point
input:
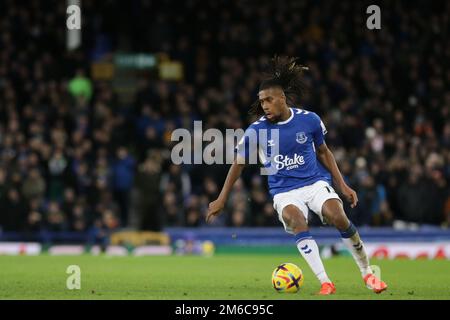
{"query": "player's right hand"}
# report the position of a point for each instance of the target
(350, 195)
(214, 209)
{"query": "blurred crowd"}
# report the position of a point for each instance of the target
(73, 157)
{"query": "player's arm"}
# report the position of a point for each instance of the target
(216, 206)
(326, 157)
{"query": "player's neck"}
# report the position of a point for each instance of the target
(285, 114)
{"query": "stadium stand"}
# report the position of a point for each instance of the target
(85, 143)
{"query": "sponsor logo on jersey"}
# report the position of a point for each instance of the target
(288, 162)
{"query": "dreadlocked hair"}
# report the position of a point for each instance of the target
(286, 73)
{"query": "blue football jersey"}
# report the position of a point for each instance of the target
(287, 150)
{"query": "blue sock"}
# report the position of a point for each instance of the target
(349, 232)
(302, 236)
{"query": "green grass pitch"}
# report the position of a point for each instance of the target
(224, 276)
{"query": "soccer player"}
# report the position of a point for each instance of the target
(304, 169)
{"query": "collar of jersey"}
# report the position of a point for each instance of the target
(289, 119)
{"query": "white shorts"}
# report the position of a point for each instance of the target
(305, 198)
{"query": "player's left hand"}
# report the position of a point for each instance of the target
(350, 195)
(214, 209)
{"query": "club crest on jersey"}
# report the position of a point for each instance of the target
(301, 137)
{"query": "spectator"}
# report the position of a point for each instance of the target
(172, 212)
(80, 86)
(269, 218)
(122, 181)
(78, 218)
(176, 180)
(34, 185)
(3, 186)
(372, 208)
(103, 227)
(412, 198)
(56, 218)
(57, 171)
(68, 203)
(147, 183)
(13, 211)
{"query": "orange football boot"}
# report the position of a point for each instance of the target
(327, 288)
(375, 284)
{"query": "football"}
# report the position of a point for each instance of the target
(287, 277)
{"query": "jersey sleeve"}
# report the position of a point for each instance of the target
(247, 147)
(319, 130)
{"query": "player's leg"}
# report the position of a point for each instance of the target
(294, 221)
(333, 212)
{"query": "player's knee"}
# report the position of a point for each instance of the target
(334, 214)
(294, 218)
(338, 220)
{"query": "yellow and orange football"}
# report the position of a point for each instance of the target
(287, 277)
